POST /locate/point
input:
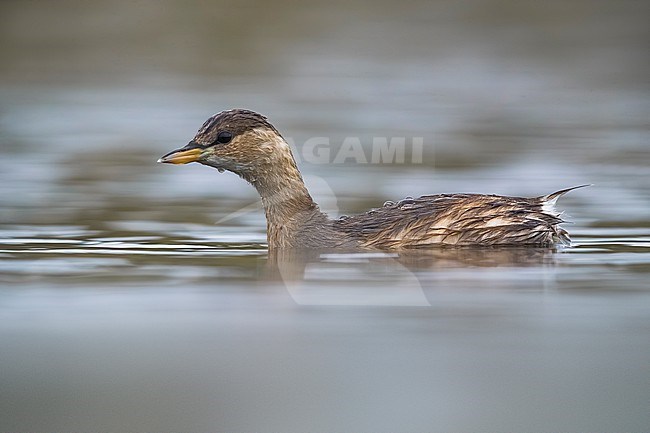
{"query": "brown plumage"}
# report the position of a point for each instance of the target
(245, 143)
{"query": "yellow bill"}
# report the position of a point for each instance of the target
(181, 156)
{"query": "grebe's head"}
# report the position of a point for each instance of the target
(241, 141)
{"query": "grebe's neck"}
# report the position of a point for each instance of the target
(287, 203)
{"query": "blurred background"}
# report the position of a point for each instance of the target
(124, 307)
(527, 97)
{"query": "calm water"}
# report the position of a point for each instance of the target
(140, 297)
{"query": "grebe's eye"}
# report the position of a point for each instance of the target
(224, 137)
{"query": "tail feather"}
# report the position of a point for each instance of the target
(552, 198)
(548, 207)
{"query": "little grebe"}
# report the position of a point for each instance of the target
(245, 143)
